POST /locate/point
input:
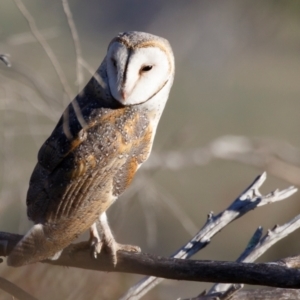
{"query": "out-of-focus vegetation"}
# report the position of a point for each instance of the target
(237, 72)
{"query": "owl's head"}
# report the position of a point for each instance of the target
(139, 66)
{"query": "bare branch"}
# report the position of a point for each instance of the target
(178, 269)
(258, 246)
(248, 200)
(75, 37)
(43, 42)
(5, 60)
(90, 70)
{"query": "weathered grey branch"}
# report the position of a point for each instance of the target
(257, 246)
(267, 274)
(248, 200)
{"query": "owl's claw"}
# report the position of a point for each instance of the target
(112, 247)
(96, 247)
(96, 244)
(95, 241)
(107, 241)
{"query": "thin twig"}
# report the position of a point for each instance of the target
(75, 37)
(5, 60)
(43, 42)
(87, 67)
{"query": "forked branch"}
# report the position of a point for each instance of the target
(247, 201)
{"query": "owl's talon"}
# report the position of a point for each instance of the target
(96, 247)
(112, 247)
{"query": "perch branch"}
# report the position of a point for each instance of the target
(209, 271)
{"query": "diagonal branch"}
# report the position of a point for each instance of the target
(4, 58)
(259, 245)
(247, 201)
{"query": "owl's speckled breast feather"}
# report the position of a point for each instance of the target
(92, 170)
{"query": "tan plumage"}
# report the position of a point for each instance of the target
(93, 154)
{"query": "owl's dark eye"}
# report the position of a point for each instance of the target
(146, 68)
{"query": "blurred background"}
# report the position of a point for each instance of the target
(233, 112)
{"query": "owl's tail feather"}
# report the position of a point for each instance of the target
(35, 246)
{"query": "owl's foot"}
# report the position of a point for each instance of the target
(109, 243)
(112, 247)
(95, 241)
(94, 244)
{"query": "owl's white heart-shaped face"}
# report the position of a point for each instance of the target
(138, 72)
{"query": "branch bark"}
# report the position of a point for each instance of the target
(269, 274)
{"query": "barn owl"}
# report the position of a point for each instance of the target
(92, 155)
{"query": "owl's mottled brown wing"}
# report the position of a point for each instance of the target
(51, 154)
(85, 175)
